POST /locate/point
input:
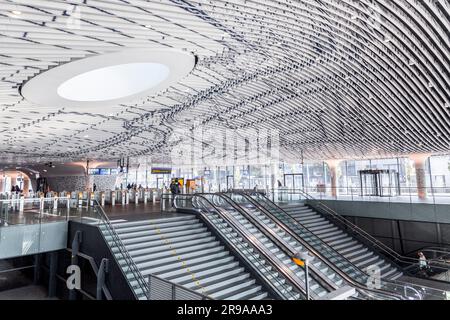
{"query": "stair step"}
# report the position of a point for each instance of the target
(158, 236)
(152, 221)
(161, 226)
(189, 239)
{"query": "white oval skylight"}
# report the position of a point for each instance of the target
(106, 80)
(113, 82)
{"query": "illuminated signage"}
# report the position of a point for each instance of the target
(161, 170)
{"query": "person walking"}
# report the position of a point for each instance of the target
(423, 263)
(174, 189)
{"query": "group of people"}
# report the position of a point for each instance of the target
(16, 189)
(134, 187)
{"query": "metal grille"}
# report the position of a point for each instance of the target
(161, 289)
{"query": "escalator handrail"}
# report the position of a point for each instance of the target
(393, 282)
(389, 281)
(247, 238)
(268, 232)
(354, 228)
(271, 235)
(374, 241)
(441, 250)
(315, 253)
(330, 263)
(303, 227)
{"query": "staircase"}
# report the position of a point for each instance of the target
(319, 265)
(317, 290)
(359, 254)
(182, 250)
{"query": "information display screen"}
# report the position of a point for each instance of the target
(105, 172)
(94, 171)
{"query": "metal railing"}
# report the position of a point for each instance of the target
(105, 225)
(154, 287)
(210, 212)
(435, 195)
(359, 278)
(409, 264)
(161, 289)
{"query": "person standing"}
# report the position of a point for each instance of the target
(423, 263)
(174, 189)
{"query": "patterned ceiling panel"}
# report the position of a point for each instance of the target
(336, 78)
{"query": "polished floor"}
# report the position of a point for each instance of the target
(13, 217)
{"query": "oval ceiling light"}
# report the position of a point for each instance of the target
(109, 79)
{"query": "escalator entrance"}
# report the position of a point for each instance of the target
(379, 183)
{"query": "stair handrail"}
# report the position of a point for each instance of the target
(367, 237)
(124, 252)
(195, 201)
(258, 225)
(229, 219)
(397, 282)
(354, 228)
(401, 283)
(325, 259)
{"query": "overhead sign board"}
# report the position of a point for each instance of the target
(161, 170)
(103, 171)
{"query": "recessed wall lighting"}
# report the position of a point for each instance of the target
(16, 12)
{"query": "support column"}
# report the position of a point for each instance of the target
(419, 165)
(52, 274)
(37, 269)
(332, 167)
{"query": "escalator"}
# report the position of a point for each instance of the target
(351, 240)
(354, 271)
(279, 246)
(327, 273)
(361, 256)
(204, 252)
(262, 254)
(345, 269)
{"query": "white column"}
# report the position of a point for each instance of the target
(419, 165)
(332, 166)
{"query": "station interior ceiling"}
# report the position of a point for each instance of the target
(333, 79)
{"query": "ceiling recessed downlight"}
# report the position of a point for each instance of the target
(109, 79)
